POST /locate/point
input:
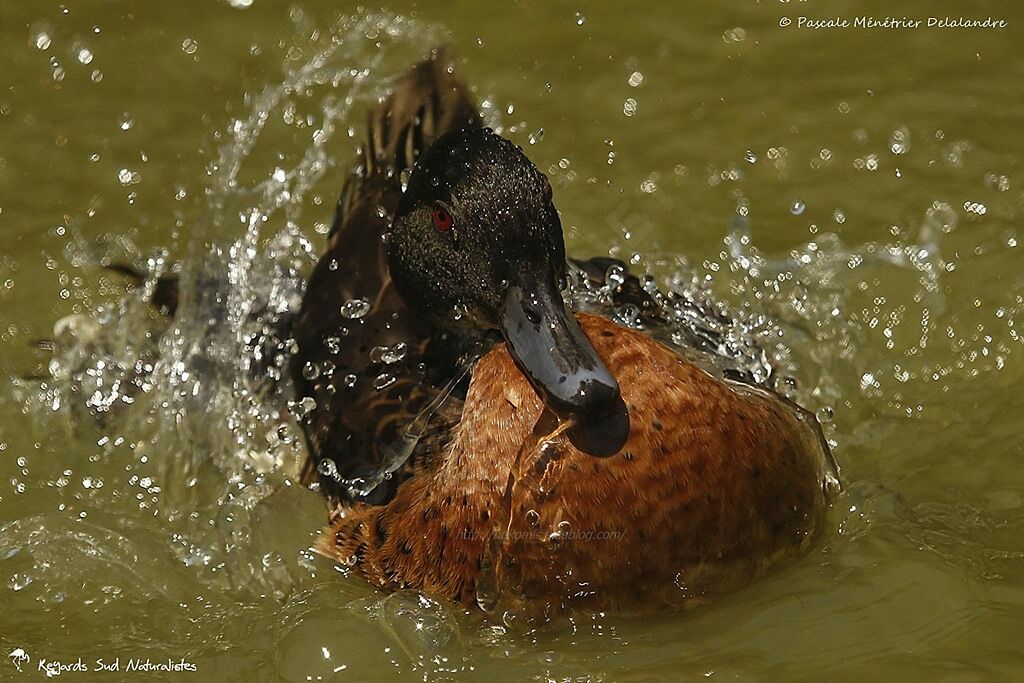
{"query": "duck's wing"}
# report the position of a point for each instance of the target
(165, 291)
(628, 290)
(425, 103)
(369, 364)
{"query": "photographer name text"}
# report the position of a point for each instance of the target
(911, 23)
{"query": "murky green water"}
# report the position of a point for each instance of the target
(858, 191)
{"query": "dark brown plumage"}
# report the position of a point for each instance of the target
(354, 420)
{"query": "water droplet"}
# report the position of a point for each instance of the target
(750, 157)
(349, 381)
(537, 136)
(355, 308)
(629, 106)
(580, 19)
(628, 315)
(999, 183)
(19, 582)
(84, 55)
(787, 385)
(303, 407)
(42, 41)
(976, 208)
(532, 517)
(388, 354)
(797, 208)
(128, 177)
(614, 276)
(734, 35)
(310, 370)
(327, 468)
(899, 140)
(189, 46)
(635, 79)
(384, 380)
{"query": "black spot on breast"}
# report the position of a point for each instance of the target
(656, 424)
(607, 333)
(382, 529)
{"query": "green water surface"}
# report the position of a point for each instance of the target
(858, 190)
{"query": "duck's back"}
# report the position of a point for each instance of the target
(715, 482)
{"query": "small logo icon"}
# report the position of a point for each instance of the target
(19, 657)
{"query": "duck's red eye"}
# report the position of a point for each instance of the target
(442, 219)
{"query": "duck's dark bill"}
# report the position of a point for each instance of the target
(552, 351)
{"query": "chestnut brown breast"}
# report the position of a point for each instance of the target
(716, 482)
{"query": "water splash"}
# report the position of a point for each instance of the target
(209, 385)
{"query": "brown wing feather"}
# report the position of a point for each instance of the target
(335, 363)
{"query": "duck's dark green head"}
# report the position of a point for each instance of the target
(476, 244)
